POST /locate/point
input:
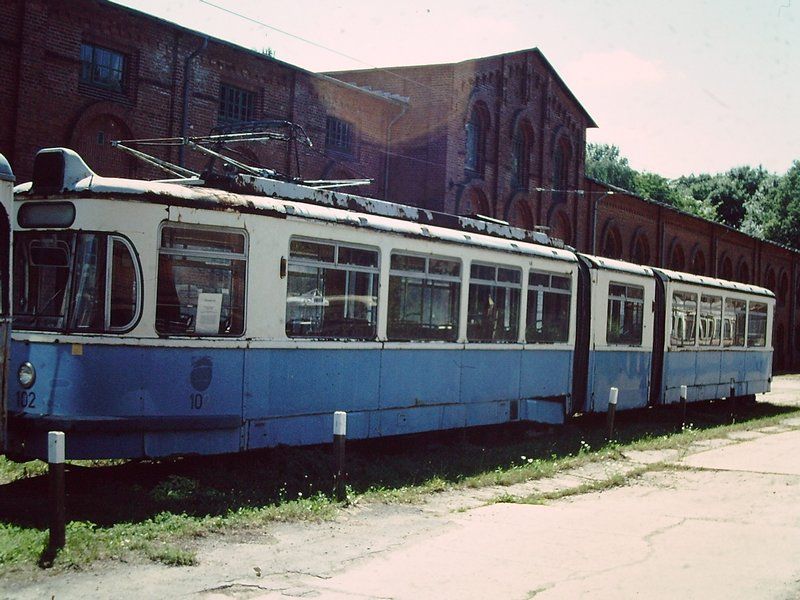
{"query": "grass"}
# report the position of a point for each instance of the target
(159, 510)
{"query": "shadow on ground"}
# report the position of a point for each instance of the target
(135, 491)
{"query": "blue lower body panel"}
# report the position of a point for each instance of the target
(628, 371)
(126, 402)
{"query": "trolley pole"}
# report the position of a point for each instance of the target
(684, 393)
(339, 439)
(613, 393)
(58, 513)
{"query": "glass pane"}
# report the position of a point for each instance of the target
(405, 262)
(684, 317)
(625, 315)
(358, 256)
(421, 309)
(124, 286)
(734, 321)
(547, 317)
(561, 283)
(440, 266)
(710, 321)
(331, 303)
(757, 324)
(509, 275)
(539, 279)
(87, 309)
(312, 251)
(483, 272)
(492, 313)
(42, 264)
(202, 293)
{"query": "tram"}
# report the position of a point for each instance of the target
(209, 314)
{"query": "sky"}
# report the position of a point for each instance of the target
(681, 86)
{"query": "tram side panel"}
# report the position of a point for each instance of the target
(620, 352)
(717, 338)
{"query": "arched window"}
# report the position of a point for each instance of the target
(476, 128)
(726, 268)
(698, 264)
(560, 227)
(769, 280)
(677, 259)
(560, 171)
(783, 288)
(612, 242)
(521, 156)
(521, 214)
(640, 250)
(474, 203)
(743, 272)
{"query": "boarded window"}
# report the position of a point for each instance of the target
(494, 299)
(548, 308)
(332, 291)
(423, 298)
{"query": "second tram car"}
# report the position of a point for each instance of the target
(161, 318)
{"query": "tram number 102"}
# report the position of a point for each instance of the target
(26, 399)
(196, 401)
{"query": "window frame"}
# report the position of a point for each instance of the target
(682, 343)
(626, 300)
(335, 264)
(90, 66)
(339, 135)
(235, 104)
(194, 254)
(426, 278)
(494, 284)
(549, 289)
(750, 335)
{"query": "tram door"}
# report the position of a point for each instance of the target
(6, 200)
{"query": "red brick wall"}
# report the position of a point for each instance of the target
(44, 103)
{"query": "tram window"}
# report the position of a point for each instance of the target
(66, 281)
(625, 321)
(684, 319)
(548, 308)
(423, 298)
(123, 286)
(332, 291)
(201, 280)
(493, 307)
(710, 321)
(757, 324)
(734, 320)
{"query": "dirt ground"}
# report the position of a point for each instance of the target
(723, 522)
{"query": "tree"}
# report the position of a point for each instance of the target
(604, 163)
(782, 208)
(655, 187)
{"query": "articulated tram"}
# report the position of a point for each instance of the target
(155, 318)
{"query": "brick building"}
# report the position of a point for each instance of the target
(500, 136)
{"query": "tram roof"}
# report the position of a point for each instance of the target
(713, 282)
(611, 264)
(282, 199)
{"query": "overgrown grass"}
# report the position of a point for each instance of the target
(158, 510)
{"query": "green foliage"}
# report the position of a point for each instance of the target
(781, 218)
(604, 163)
(655, 187)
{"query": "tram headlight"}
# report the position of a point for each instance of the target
(26, 375)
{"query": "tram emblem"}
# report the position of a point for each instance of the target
(202, 372)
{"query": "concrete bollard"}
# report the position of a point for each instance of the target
(684, 395)
(339, 439)
(613, 393)
(58, 515)
(732, 400)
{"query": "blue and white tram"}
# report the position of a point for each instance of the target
(154, 319)
(162, 318)
(716, 338)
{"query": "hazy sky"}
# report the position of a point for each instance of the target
(681, 86)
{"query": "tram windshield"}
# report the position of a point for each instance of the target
(74, 282)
